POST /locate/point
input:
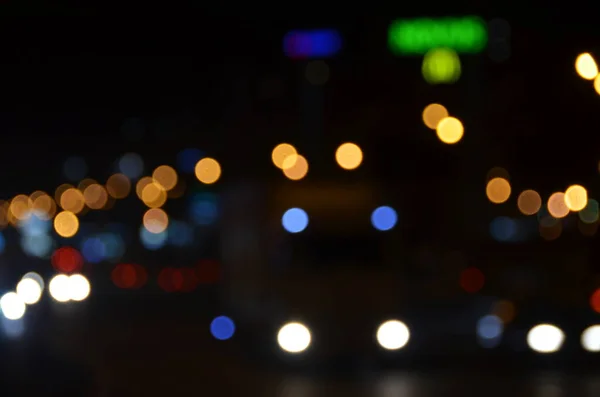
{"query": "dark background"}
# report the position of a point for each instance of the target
(74, 81)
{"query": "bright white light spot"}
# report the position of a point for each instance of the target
(79, 287)
(12, 306)
(59, 288)
(294, 337)
(36, 277)
(29, 291)
(545, 338)
(590, 338)
(393, 335)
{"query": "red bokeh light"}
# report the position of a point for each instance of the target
(595, 300)
(67, 260)
(177, 280)
(208, 272)
(129, 276)
(472, 280)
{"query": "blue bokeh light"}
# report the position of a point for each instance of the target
(2, 242)
(188, 158)
(39, 246)
(294, 220)
(132, 165)
(489, 330)
(180, 233)
(35, 224)
(222, 328)
(503, 229)
(93, 250)
(203, 208)
(153, 241)
(384, 218)
(319, 43)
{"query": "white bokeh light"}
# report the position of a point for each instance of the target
(59, 288)
(545, 338)
(393, 335)
(12, 306)
(36, 277)
(294, 337)
(590, 338)
(79, 287)
(29, 291)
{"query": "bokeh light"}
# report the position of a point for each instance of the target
(591, 213)
(349, 156)
(433, 114)
(222, 328)
(154, 195)
(489, 330)
(281, 152)
(529, 202)
(294, 220)
(79, 287)
(203, 208)
(295, 167)
(166, 176)
(58, 287)
(118, 186)
(384, 218)
(95, 196)
(72, 200)
(472, 280)
(67, 260)
(153, 241)
(498, 190)
(393, 335)
(590, 339)
(29, 291)
(545, 338)
(576, 198)
(66, 224)
(557, 207)
(450, 130)
(208, 170)
(586, 66)
(12, 306)
(441, 65)
(131, 165)
(294, 337)
(156, 220)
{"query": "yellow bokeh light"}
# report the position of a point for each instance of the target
(433, 114)
(586, 66)
(156, 220)
(44, 205)
(557, 206)
(281, 153)
(95, 196)
(576, 198)
(348, 156)
(450, 130)
(141, 184)
(66, 224)
(208, 170)
(498, 190)
(166, 176)
(154, 195)
(20, 208)
(296, 171)
(597, 84)
(529, 202)
(72, 200)
(118, 186)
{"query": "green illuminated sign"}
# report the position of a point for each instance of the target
(417, 36)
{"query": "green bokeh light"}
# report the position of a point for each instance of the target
(417, 36)
(441, 66)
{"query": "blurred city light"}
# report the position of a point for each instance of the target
(29, 291)
(36, 277)
(393, 335)
(208, 170)
(545, 338)
(118, 186)
(131, 276)
(203, 208)
(433, 114)
(590, 339)
(321, 43)
(591, 213)
(180, 234)
(450, 130)
(294, 337)
(294, 220)
(557, 207)
(67, 260)
(66, 224)
(65, 288)
(349, 156)
(12, 306)
(153, 241)
(222, 328)
(295, 167)
(79, 287)
(131, 165)
(417, 36)
(441, 66)
(498, 190)
(586, 66)
(166, 176)
(281, 152)
(489, 330)
(39, 246)
(472, 280)
(529, 202)
(384, 218)
(576, 198)
(156, 220)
